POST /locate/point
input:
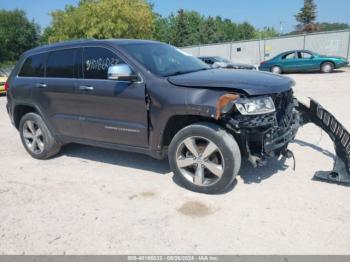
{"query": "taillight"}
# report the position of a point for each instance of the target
(7, 86)
(263, 62)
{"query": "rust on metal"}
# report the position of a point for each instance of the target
(223, 100)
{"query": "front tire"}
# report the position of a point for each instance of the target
(37, 138)
(327, 67)
(204, 158)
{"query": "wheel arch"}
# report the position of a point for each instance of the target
(177, 122)
(20, 110)
(327, 61)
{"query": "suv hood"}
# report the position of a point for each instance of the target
(250, 82)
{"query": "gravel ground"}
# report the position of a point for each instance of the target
(97, 201)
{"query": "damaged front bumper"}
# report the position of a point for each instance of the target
(312, 112)
(267, 135)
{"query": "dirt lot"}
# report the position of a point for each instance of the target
(97, 201)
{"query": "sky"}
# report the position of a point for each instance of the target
(260, 13)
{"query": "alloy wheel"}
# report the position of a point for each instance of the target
(327, 68)
(276, 70)
(33, 137)
(200, 161)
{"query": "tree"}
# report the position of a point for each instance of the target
(332, 26)
(190, 28)
(307, 17)
(245, 31)
(17, 34)
(267, 32)
(102, 19)
(208, 31)
(185, 27)
(162, 28)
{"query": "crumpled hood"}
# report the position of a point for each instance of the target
(250, 82)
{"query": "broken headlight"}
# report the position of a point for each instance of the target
(255, 105)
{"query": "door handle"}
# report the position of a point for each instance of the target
(86, 88)
(41, 85)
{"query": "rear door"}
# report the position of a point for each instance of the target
(53, 96)
(56, 92)
(111, 111)
(290, 62)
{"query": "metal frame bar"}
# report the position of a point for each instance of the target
(270, 38)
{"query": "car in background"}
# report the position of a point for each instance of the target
(219, 62)
(3, 78)
(302, 61)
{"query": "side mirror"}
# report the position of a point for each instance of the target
(121, 72)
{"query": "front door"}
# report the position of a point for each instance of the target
(111, 111)
(306, 61)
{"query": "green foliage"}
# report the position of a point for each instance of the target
(307, 17)
(190, 28)
(332, 26)
(102, 19)
(184, 28)
(267, 32)
(161, 28)
(17, 34)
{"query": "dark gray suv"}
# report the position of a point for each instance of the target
(151, 98)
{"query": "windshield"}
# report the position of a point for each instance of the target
(223, 60)
(164, 60)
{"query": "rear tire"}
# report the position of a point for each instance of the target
(204, 158)
(37, 138)
(276, 70)
(327, 67)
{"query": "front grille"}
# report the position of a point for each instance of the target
(283, 104)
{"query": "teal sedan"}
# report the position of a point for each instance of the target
(302, 61)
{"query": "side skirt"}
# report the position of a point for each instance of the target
(140, 150)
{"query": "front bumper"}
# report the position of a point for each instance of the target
(267, 135)
(342, 64)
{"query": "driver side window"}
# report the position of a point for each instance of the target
(305, 55)
(97, 60)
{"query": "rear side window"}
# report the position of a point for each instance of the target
(97, 60)
(34, 66)
(289, 56)
(62, 64)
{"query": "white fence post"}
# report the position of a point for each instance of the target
(348, 56)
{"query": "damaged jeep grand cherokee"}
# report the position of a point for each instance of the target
(152, 98)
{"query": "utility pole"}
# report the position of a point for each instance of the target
(281, 28)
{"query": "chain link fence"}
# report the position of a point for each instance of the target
(335, 43)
